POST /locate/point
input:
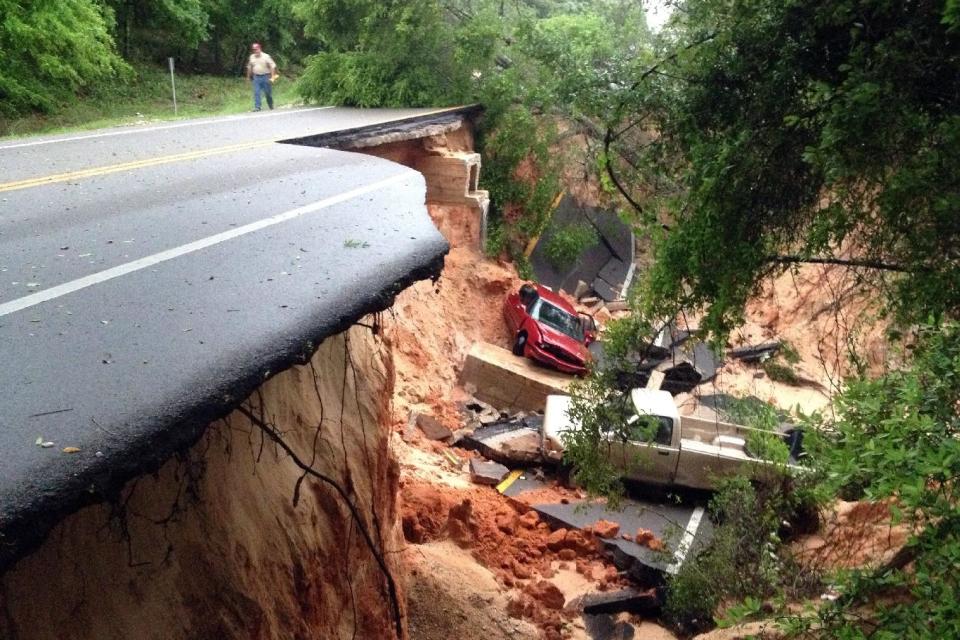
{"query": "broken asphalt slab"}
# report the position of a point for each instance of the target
(624, 600)
(611, 254)
(683, 528)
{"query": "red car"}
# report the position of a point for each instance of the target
(548, 329)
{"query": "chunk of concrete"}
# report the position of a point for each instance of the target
(486, 472)
(433, 429)
(618, 305)
(508, 381)
(514, 442)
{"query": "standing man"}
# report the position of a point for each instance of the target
(261, 70)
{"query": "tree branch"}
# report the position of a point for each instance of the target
(867, 264)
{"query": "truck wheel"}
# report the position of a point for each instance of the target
(519, 344)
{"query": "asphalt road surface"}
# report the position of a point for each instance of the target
(151, 277)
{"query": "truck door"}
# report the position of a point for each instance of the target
(649, 455)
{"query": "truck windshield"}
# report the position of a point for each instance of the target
(556, 318)
(642, 427)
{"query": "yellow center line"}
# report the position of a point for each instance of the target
(129, 166)
(512, 477)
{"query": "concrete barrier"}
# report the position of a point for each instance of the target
(509, 382)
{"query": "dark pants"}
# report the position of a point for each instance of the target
(262, 83)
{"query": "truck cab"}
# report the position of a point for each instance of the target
(665, 448)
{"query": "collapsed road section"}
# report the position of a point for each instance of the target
(196, 386)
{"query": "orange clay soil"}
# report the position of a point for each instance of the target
(433, 325)
(509, 539)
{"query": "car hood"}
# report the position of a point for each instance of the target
(565, 342)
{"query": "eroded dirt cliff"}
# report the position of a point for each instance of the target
(232, 539)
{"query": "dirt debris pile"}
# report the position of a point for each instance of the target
(509, 539)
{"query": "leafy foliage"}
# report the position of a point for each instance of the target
(806, 129)
(393, 53)
(898, 437)
(52, 49)
(743, 562)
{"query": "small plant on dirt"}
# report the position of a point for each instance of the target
(568, 242)
(779, 372)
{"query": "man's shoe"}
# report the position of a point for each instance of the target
(252, 110)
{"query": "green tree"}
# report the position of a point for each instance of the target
(395, 53)
(898, 438)
(806, 130)
(52, 49)
(153, 30)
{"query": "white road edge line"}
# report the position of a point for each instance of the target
(686, 541)
(136, 129)
(120, 270)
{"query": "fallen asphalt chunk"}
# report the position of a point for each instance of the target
(486, 472)
(625, 600)
(603, 626)
(755, 353)
(683, 529)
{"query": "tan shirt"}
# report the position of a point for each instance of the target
(260, 64)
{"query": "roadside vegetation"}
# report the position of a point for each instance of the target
(744, 140)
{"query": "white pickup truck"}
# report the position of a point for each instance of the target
(686, 451)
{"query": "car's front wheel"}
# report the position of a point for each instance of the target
(519, 344)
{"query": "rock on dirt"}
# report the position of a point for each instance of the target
(433, 428)
(486, 472)
(605, 529)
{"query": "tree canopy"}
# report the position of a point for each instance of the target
(50, 49)
(807, 130)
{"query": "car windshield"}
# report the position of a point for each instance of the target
(556, 318)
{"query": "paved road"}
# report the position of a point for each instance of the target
(150, 278)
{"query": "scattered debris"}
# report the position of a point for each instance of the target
(46, 444)
(70, 449)
(514, 441)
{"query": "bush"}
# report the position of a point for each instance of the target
(745, 562)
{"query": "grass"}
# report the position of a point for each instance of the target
(145, 97)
